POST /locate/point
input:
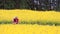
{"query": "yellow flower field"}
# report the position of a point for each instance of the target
(28, 29)
(30, 15)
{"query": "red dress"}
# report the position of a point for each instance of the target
(15, 20)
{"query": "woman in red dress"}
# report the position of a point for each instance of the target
(15, 20)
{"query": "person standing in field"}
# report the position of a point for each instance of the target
(15, 20)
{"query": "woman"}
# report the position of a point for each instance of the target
(15, 20)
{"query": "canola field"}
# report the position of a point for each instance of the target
(30, 15)
(28, 29)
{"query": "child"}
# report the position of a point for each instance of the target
(15, 20)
